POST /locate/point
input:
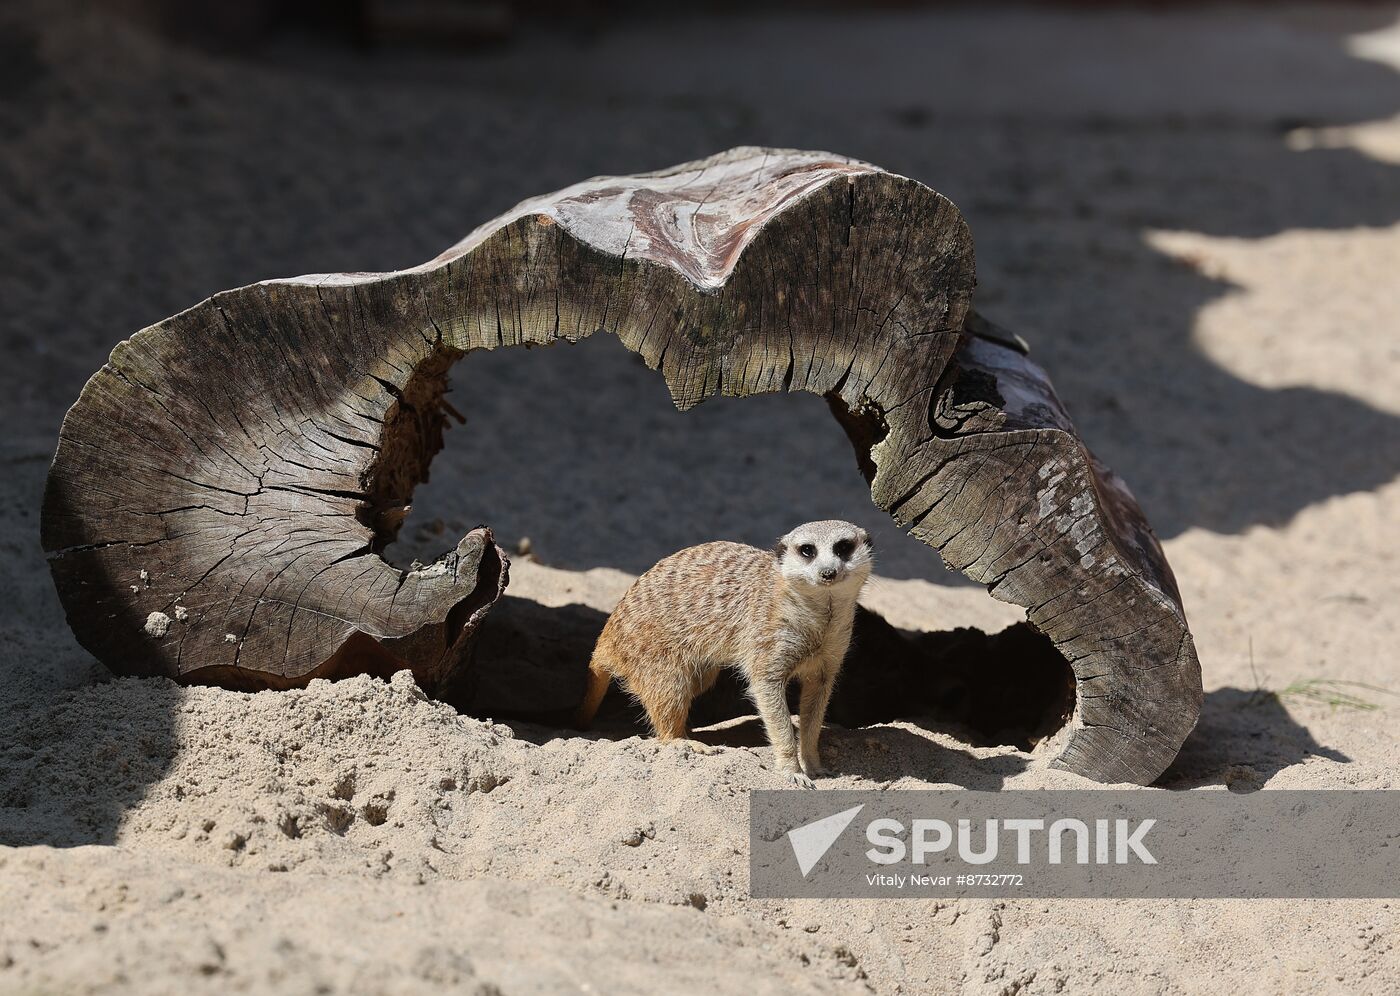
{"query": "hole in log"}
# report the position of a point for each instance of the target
(579, 448)
(617, 478)
(1011, 687)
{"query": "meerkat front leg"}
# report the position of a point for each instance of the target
(770, 695)
(817, 682)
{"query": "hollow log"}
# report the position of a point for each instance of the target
(225, 486)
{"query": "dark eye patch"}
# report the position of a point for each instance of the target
(844, 548)
(807, 550)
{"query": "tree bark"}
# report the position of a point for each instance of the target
(238, 468)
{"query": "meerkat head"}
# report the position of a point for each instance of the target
(826, 554)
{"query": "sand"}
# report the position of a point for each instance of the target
(1193, 217)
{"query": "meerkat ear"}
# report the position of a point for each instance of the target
(867, 539)
(779, 548)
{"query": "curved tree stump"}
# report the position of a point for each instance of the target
(254, 455)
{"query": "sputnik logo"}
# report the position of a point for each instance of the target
(811, 841)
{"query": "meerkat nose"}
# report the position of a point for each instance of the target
(829, 574)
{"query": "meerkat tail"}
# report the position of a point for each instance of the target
(598, 681)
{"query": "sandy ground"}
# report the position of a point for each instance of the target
(1195, 220)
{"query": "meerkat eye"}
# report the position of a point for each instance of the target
(807, 550)
(844, 548)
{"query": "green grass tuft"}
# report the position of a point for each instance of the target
(1333, 692)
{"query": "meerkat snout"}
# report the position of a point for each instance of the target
(773, 616)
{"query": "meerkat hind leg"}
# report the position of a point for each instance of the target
(667, 719)
(703, 684)
(668, 708)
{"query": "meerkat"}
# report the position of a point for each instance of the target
(774, 615)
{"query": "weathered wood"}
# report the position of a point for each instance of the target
(254, 454)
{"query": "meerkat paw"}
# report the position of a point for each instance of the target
(800, 780)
